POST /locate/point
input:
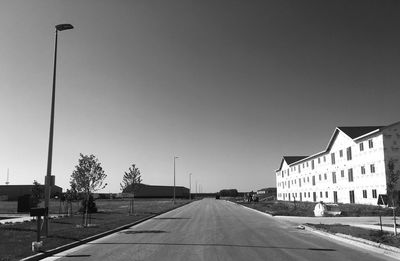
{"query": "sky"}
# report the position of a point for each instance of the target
(227, 86)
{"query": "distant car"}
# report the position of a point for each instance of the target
(217, 196)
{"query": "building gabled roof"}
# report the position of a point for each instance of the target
(355, 132)
(289, 160)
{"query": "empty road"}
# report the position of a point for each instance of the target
(216, 230)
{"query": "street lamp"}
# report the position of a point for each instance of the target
(175, 157)
(190, 186)
(60, 27)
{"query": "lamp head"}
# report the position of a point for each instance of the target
(63, 27)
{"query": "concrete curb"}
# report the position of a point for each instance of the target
(393, 252)
(59, 249)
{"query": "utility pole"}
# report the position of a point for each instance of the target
(175, 157)
(8, 176)
(48, 177)
(190, 186)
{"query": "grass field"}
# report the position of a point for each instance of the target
(306, 209)
(372, 235)
(16, 239)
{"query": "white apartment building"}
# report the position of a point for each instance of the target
(352, 169)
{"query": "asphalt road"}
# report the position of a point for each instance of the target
(216, 230)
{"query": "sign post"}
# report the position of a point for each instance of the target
(38, 213)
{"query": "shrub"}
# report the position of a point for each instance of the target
(91, 207)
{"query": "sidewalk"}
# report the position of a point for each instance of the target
(19, 218)
(363, 222)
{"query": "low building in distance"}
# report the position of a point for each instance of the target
(353, 168)
(154, 191)
(267, 193)
(12, 192)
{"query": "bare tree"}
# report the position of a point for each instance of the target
(391, 181)
(88, 177)
(130, 183)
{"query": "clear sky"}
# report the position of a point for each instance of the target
(228, 86)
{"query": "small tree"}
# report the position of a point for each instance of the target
(87, 178)
(70, 195)
(37, 193)
(392, 179)
(130, 183)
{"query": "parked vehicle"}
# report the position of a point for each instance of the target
(321, 209)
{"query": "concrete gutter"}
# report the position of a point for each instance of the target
(57, 250)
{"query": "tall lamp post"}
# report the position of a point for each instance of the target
(175, 157)
(60, 27)
(190, 186)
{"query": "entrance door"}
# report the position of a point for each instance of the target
(351, 194)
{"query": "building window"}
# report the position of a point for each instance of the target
(308, 194)
(333, 158)
(320, 177)
(313, 180)
(319, 160)
(333, 177)
(362, 170)
(299, 168)
(350, 175)
(361, 146)
(308, 179)
(320, 194)
(342, 173)
(325, 176)
(304, 194)
(335, 200)
(370, 144)
(324, 159)
(364, 193)
(299, 182)
(312, 164)
(372, 167)
(340, 153)
(351, 194)
(374, 193)
(326, 194)
(349, 156)
(307, 164)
